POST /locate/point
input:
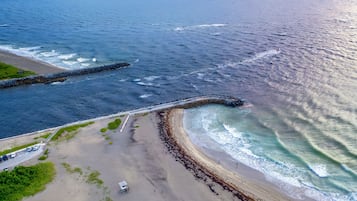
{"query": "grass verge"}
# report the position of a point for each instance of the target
(70, 130)
(8, 71)
(16, 148)
(45, 136)
(25, 181)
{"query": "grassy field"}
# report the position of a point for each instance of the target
(8, 72)
(25, 181)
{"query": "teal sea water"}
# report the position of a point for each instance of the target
(294, 62)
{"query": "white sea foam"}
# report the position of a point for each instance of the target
(4, 25)
(137, 80)
(136, 60)
(151, 78)
(81, 59)
(52, 53)
(210, 25)
(262, 55)
(319, 169)
(145, 83)
(30, 48)
(145, 95)
(70, 63)
(67, 56)
(182, 28)
(85, 64)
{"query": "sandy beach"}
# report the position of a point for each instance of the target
(25, 63)
(149, 162)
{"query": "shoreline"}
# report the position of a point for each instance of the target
(162, 159)
(27, 63)
(244, 187)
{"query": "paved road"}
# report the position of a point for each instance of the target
(21, 156)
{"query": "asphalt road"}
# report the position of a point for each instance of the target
(21, 156)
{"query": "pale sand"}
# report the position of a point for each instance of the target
(137, 155)
(26, 63)
(248, 184)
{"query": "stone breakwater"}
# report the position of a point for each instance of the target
(198, 170)
(58, 77)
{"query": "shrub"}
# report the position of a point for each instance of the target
(114, 124)
(25, 181)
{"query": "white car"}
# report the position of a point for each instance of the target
(35, 148)
(13, 155)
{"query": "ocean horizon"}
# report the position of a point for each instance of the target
(294, 63)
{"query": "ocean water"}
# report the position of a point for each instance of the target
(293, 62)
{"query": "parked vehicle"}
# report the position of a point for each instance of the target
(13, 155)
(29, 149)
(5, 158)
(35, 148)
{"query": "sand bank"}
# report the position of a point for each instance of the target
(26, 63)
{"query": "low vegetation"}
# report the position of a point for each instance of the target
(70, 130)
(93, 178)
(71, 170)
(103, 130)
(25, 181)
(44, 156)
(45, 136)
(8, 71)
(114, 124)
(16, 148)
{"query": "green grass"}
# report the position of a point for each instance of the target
(44, 156)
(67, 167)
(8, 72)
(70, 170)
(114, 124)
(78, 170)
(70, 129)
(103, 130)
(45, 136)
(93, 178)
(25, 181)
(16, 148)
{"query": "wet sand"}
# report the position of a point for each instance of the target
(26, 63)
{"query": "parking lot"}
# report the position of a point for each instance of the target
(21, 156)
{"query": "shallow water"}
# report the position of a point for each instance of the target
(294, 62)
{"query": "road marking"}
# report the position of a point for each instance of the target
(126, 120)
